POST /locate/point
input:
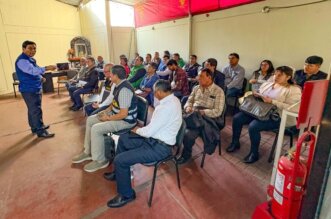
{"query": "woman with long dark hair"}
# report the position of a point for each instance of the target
(262, 75)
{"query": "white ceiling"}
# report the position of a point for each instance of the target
(128, 2)
(76, 3)
(71, 2)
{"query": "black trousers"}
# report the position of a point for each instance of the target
(35, 114)
(189, 140)
(132, 149)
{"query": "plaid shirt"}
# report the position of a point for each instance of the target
(180, 78)
(211, 98)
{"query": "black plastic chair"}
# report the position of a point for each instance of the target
(142, 111)
(242, 93)
(16, 82)
(289, 131)
(221, 125)
(173, 158)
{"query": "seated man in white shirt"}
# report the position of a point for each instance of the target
(80, 75)
(148, 144)
(106, 95)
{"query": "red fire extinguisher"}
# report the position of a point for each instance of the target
(289, 185)
(291, 180)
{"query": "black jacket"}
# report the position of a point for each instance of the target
(91, 77)
(209, 130)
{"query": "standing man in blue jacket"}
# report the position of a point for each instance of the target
(30, 76)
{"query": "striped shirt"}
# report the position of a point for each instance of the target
(124, 97)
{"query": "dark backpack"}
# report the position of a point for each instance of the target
(109, 147)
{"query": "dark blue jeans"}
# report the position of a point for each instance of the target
(178, 94)
(72, 89)
(254, 129)
(183, 101)
(233, 92)
(69, 85)
(75, 95)
(35, 114)
(132, 150)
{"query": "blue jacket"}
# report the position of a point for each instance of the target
(29, 74)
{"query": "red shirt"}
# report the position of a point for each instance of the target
(127, 69)
(180, 78)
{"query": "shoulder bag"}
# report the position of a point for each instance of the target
(257, 108)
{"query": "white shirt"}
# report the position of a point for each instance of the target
(166, 72)
(109, 98)
(165, 122)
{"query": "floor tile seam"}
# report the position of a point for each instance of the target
(102, 209)
(179, 203)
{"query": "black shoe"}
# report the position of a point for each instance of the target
(120, 201)
(183, 160)
(44, 127)
(109, 176)
(251, 158)
(232, 147)
(77, 108)
(45, 134)
(72, 107)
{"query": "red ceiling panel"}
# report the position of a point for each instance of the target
(155, 11)
(232, 3)
(198, 6)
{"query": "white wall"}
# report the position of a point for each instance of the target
(123, 42)
(93, 24)
(172, 36)
(49, 23)
(109, 42)
(286, 37)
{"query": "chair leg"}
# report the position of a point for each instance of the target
(291, 140)
(271, 155)
(14, 91)
(58, 89)
(203, 159)
(153, 184)
(177, 173)
(219, 148)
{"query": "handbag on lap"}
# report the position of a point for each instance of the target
(257, 108)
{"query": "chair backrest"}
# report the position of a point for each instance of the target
(14, 75)
(243, 89)
(142, 111)
(221, 122)
(180, 137)
(101, 85)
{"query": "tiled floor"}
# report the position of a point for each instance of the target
(37, 179)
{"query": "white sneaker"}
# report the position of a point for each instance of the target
(81, 157)
(95, 165)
